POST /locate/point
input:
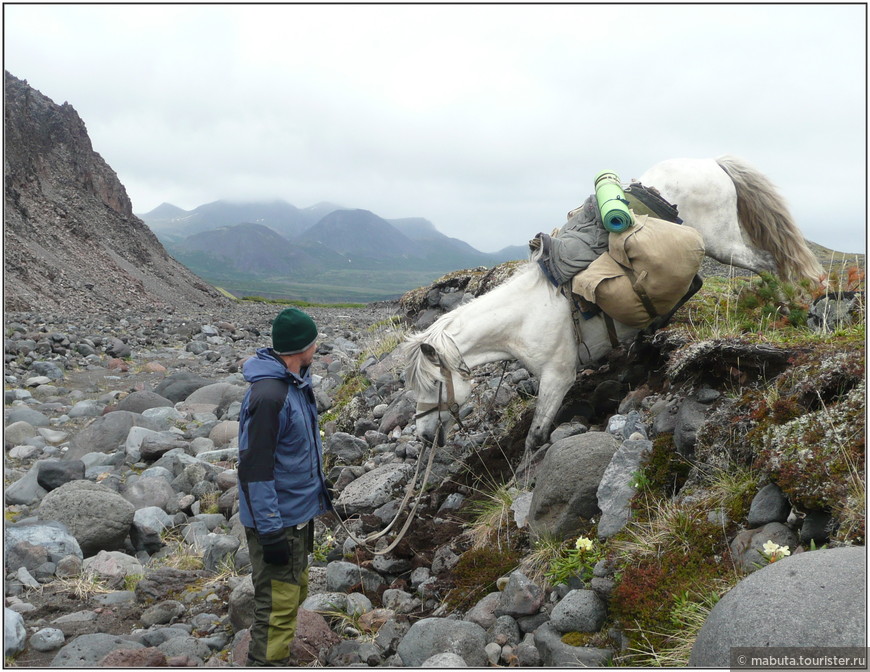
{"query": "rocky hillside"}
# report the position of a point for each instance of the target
(702, 490)
(71, 239)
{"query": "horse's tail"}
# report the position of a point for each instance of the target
(765, 217)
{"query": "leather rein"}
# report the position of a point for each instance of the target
(449, 404)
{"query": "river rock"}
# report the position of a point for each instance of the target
(567, 483)
(95, 515)
(373, 489)
(14, 632)
(52, 536)
(431, 636)
(88, 650)
(813, 599)
(770, 505)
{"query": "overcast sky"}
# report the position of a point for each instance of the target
(490, 121)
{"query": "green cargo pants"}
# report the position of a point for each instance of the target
(278, 592)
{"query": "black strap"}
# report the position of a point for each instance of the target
(611, 330)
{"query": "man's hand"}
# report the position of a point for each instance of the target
(276, 548)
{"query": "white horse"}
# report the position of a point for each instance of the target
(529, 320)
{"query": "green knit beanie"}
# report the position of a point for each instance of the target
(292, 332)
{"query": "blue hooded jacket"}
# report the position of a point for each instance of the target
(281, 482)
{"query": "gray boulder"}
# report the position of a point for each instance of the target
(181, 385)
(53, 537)
(54, 473)
(220, 395)
(141, 401)
(107, 433)
(444, 660)
(813, 599)
(148, 524)
(353, 653)
(555, 653)
(27, 415)
(399, 413)
(373, 489)
(567, 483)
(26, 490)
(346, 447)
(219, 549)
(770, 505)
(689, 419)
(520, 597)
(240, 605)
(89, 650)
(47, 639)
(483, 613)
(95, 515)
(18, 433)
(579, 611)
(431, 636)
(343, 576)
(325, 602)
(14, 632)
(112, 567)
(615, 490)
(146, 492)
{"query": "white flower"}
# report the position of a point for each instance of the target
(583, 544)
(770, 547)
(773, 551)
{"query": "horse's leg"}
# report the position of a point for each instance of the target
(554, 384)
(747, 257)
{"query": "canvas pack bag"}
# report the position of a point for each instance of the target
(645, 272)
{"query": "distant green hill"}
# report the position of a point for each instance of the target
(339, 254)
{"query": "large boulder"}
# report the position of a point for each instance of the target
(181, 385)
(141, 400)
(431, 636)
(566, 490)
(146, 492)
(98, 517)
(88, 650)
(813, 599)
(373, 489)
(107, 433)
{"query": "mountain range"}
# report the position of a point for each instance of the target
(260, 246)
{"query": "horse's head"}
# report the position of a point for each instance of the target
(440, 379)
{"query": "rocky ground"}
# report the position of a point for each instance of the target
(123, 546)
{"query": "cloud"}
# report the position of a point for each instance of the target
(488, 120)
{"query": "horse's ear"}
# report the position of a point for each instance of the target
(430, 353)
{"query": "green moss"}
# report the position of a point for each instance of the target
(352, 385)
(476, 573)
(665, 470)
(578, 638)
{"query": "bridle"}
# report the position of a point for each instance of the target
(449, 404)
(452, 407)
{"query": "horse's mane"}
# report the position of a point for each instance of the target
(420, 372)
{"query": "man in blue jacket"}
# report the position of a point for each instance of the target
(281, 482)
